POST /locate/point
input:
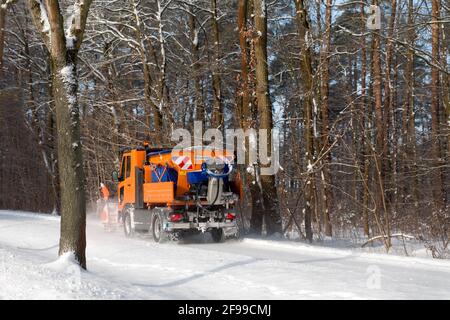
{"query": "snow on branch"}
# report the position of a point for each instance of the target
(396, 235)
(40, 17)
(44, 18)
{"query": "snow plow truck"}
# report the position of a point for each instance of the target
(170, 194)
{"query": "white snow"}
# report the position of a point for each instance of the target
(67, 74)
(68, 77)
(70, 41)
(120, 268)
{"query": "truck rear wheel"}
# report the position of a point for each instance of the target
(158, 233)
(218, 235)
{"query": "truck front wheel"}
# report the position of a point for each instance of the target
(127, 228)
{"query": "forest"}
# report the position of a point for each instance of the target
(361, 103)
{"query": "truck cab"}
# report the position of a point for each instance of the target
(127, 182)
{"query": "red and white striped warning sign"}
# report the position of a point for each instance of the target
(184, 162)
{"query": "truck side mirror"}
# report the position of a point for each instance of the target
(115, 176)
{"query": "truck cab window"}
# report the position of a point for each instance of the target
(122, 170)
(128, 166)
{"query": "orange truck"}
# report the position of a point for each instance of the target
(172, 193)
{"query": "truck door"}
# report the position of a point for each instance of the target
(126, 190)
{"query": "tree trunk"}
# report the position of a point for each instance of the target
(199, 106)
(63, 46)
(307, 85)
(380, 209)
(364, 110)
(3, 8)
(326, 174)
(217, 114)
(269, 191)
(437, 185)
(244, 90)
(156, 112)
(248, 119)
(389, 125)
(408, 121)
(73, 215)
(164, 95)
(446, 87)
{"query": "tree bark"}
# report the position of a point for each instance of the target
(446, 86)
(389, 124)
(437, 185)
(326, 174)
(269, 191)
(364, 110)
(164, 95)
(64, 52)
(3, 8)
(199, 106)
(380, 209)
(307, 85)
(217, 114)
(408, 121)
(245, 109)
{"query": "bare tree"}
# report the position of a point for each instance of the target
(63, 40)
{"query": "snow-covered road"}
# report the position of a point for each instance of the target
(120, 268)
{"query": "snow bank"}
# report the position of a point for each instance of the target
(27, 214)
(64, 262)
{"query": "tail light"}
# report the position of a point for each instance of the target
(176, 217)
(230, 216)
